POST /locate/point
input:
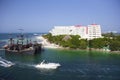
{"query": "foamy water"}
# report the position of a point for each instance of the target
(5, 63)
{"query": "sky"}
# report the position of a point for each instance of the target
(43, 15)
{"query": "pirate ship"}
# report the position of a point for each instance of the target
(22, 46)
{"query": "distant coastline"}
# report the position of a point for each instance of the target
(57, 44)
(54, 46)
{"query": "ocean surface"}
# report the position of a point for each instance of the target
(75, 64)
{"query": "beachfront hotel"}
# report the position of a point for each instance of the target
(86, 32)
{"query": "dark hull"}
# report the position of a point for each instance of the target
(20, 52)
(21, 46)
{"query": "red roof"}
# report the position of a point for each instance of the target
(93, 24)
(77, 25)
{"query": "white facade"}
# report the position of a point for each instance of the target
(90, 32)
(94, 31)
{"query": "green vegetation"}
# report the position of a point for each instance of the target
(71, 41)
(110, 41)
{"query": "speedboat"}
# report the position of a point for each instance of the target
(5, 63)
(44, 65)
(35, 34)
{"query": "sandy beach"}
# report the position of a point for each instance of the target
(46, 43)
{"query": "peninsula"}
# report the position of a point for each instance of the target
(79, 37)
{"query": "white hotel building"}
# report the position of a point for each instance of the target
(90, 32)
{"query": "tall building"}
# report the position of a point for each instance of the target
(90, 32)
(94, 31)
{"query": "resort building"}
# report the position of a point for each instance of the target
(86, 32)
(94, 31)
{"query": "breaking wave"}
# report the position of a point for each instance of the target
(5, 63)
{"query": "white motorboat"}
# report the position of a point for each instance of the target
(5, 63)
(44, 65)
(35, 34)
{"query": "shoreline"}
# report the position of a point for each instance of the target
(47, 44)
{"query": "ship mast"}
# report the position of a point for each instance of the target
(21, 36)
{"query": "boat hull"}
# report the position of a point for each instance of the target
(20, 52)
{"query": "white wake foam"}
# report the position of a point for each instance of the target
(5, 63)
(43, 65)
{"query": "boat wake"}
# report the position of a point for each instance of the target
(5, 63)
(44, 65)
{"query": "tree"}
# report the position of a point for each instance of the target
(83, 44)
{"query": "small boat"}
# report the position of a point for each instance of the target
(5, 63)
(44, 65)
(35, 34)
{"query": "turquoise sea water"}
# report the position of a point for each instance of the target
(75, 65)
